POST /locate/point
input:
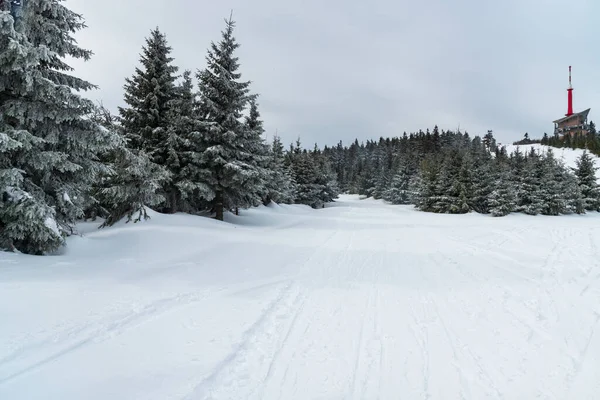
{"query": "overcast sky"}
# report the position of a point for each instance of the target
(331, 70)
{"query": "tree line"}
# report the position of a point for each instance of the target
(189, 142)
(589, 140)
(451, 172)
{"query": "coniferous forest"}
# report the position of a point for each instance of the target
(192, 141)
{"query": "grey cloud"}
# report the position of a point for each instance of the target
(339, 70)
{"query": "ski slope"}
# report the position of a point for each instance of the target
(360, 300)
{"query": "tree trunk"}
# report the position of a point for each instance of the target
(173, 201)
(219, 205)
(237, 211)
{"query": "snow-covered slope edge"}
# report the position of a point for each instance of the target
(568, 156)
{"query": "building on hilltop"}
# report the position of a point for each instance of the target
(576, 123)
(572, 123)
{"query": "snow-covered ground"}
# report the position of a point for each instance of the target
(567, 156)
(360, 300)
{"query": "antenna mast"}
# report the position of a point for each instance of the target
(570, 96)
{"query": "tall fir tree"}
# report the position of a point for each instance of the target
(148, 95)
(223, 98)
(184, 137)
(51, 146)
(148, 120)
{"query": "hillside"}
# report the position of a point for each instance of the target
(568, 156)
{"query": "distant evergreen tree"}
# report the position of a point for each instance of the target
(280, 185)
(308, 191)
(531, 201)
(48, 144)
(483, 182)
(426, 186)
(326, 181)
(400, 190)
(585, 172)
(452, 191)
(490, 142)
(502, 200)
(552, 185)
(383, 181)
(572, 193)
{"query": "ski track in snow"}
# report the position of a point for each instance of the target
(360, 300)
(109, 330)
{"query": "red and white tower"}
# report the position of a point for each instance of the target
(573, 123)
(570, 96)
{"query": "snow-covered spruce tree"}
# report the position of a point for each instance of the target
(280, 187)
(490, 142)
(133, 183)
(255, 156)
(22, 217)
(186, 188)
(483, 184)
(382, 183)
(529, 186)
(326, 179)
(49, 145)
(452, 193)
(465, 183)
(223, 98)
(585, 172)
(426, 190)
(553, 179)
(502, 200)
(399, 191)
(306, 175)
(574, 202)
(149, 95)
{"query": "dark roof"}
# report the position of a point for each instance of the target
(583, 113)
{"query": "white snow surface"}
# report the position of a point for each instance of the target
(360, 300)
